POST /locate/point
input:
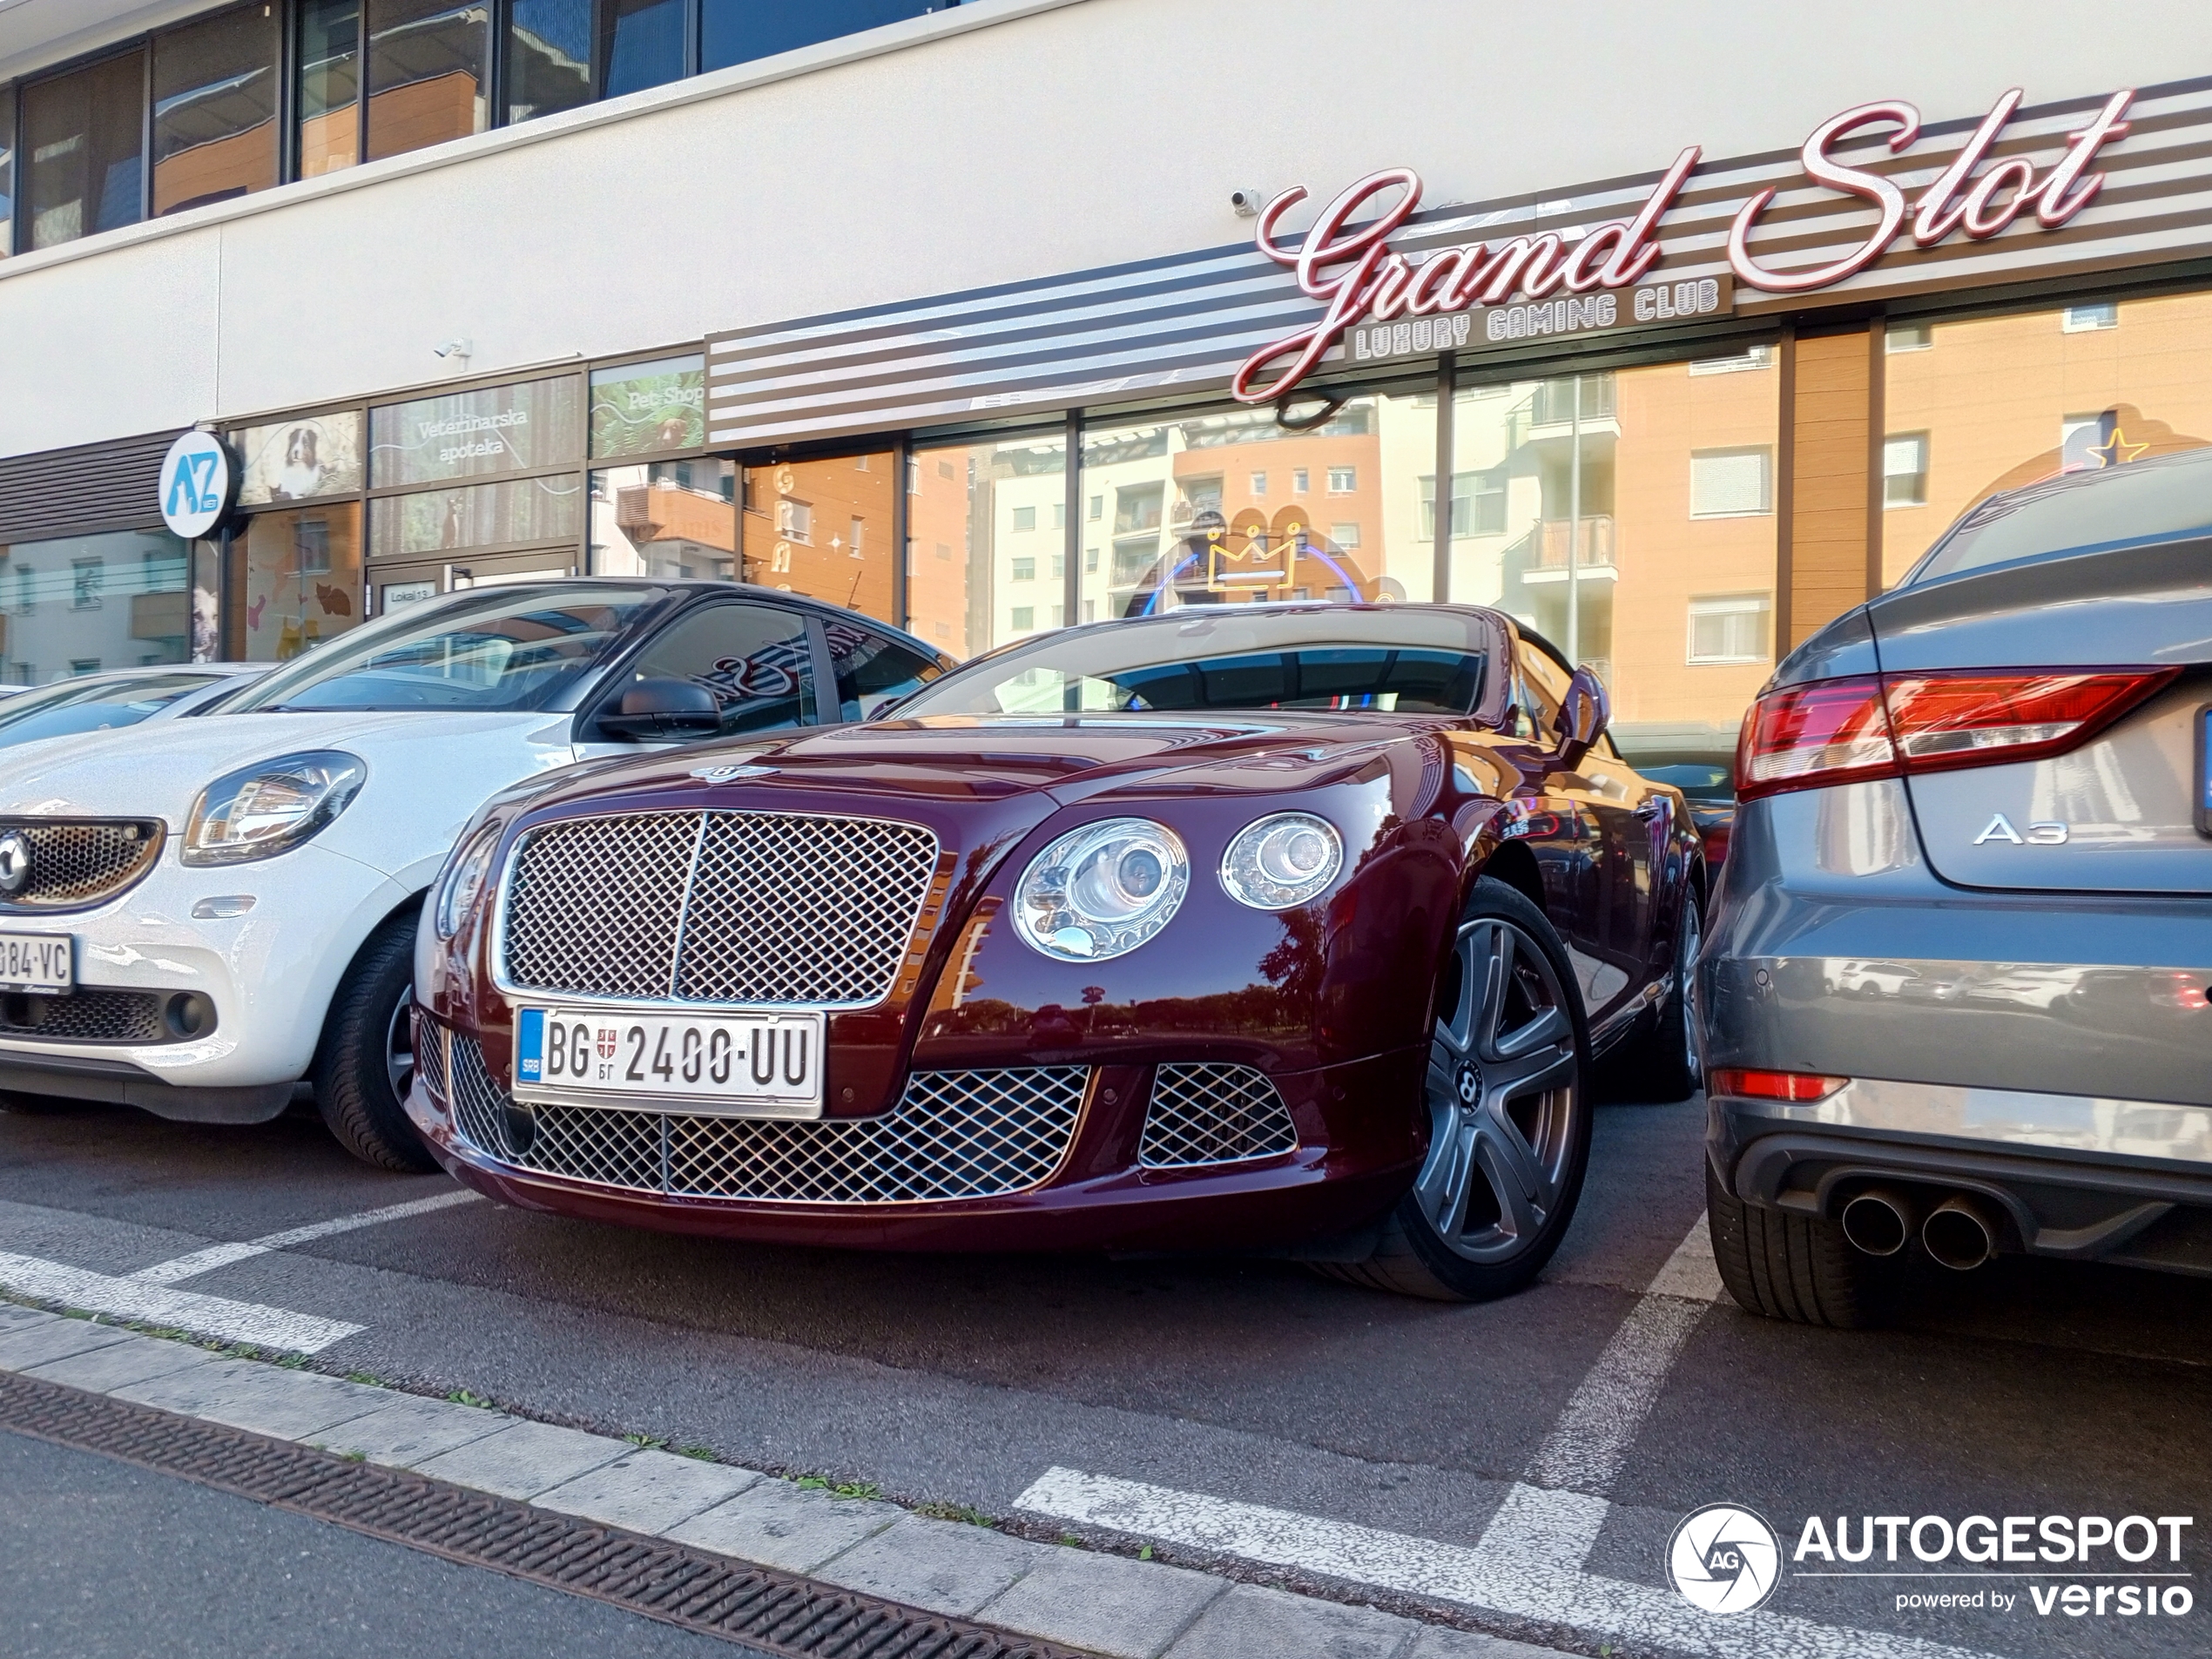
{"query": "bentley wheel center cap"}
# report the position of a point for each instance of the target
(1469, 1085)
(15, 861)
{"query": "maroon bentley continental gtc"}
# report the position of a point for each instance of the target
(1283, 928)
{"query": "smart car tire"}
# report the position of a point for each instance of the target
(362, 1064)
(1799, 1268)
(1509, 1116)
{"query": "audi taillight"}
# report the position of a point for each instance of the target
(1754, 1083)
(1843, 730)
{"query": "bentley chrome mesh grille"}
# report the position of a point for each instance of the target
(1204, 1114)
(953, 1135)
(430, 1055)
(73, 863)
(84, 1016)
(759, 908)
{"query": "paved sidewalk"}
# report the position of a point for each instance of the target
(1106, 1604)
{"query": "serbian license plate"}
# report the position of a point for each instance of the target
(767, 1064)
(37, 962)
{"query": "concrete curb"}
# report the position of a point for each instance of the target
(1104, 1604)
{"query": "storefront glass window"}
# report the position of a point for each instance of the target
(82, 604)
(666, 518)
(470, 435)
(548, 57)
(640, 408)
(214, 109)
(1187, 511)
(7, 171)
(295, 580)
(642, 43)
(509, 514)
(1991, 403)
(299, 460)
(1629, 517)
(429, 78)
(823, 528)
(83, 134)
(329, 118)
(737, 31)
(980, 569)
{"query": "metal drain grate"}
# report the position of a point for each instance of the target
(772, 1613)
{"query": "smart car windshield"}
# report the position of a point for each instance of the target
(1399, 659)
(98, 703)
(2160, 500)
(506, 649)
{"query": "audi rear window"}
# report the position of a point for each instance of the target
(2168, 498)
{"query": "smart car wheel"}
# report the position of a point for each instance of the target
(1509, 1120)
(366, 1061)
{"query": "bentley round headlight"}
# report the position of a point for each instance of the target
(1282, 860)
(1102, 890)
(464, 881)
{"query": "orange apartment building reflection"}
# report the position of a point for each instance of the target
(1988, 404)
(823, 528)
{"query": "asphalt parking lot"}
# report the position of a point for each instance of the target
(1518, 1467)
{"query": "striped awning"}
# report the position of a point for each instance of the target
(1186, 320)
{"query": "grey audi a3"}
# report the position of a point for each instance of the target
(1953, 995)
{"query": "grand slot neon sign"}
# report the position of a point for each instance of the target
(1354, 273)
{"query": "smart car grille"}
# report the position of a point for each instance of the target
(726, 907)
(1203, 1115)
(84, 1016)
(953, 1135)
(75, 862)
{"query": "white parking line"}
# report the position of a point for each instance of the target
(215, 1256)
(1530, 1561)
(155, 1303)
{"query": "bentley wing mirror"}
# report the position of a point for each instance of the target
(1584, 713)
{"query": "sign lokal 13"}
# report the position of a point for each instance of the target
(1360, 279)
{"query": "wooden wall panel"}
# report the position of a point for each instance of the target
(1829, 484)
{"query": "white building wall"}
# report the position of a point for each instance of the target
(1004, 140)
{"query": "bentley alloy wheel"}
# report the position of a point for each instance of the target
(1509, 1120)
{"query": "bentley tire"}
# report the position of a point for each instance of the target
(1661, 1066)
(365, 1060)
(1799, 1268)
(1509, 1120)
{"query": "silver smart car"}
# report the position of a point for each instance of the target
(1954, 995)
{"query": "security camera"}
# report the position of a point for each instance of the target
(459, 346)
(1246, 202)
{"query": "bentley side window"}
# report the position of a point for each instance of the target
(872, 670)
(754, 660)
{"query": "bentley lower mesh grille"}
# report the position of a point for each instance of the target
(761, 908)
(1202, 1115)
(953, 1135)
(68, 863)
(430, 1055)
(84, 1016)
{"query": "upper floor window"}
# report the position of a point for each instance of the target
(737, 31)
(2083, 319)
(327, 87)
(81, 133)
(1731, 483)
(7, 171)
(429, 73)
(548, 57)
(215, 109)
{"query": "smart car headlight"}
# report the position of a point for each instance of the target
(271, 807)
(464, 881)
(1102, 890)
(1283, 860)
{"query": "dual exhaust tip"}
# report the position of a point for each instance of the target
(1960, 1233)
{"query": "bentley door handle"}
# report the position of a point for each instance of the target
(1652, 808)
